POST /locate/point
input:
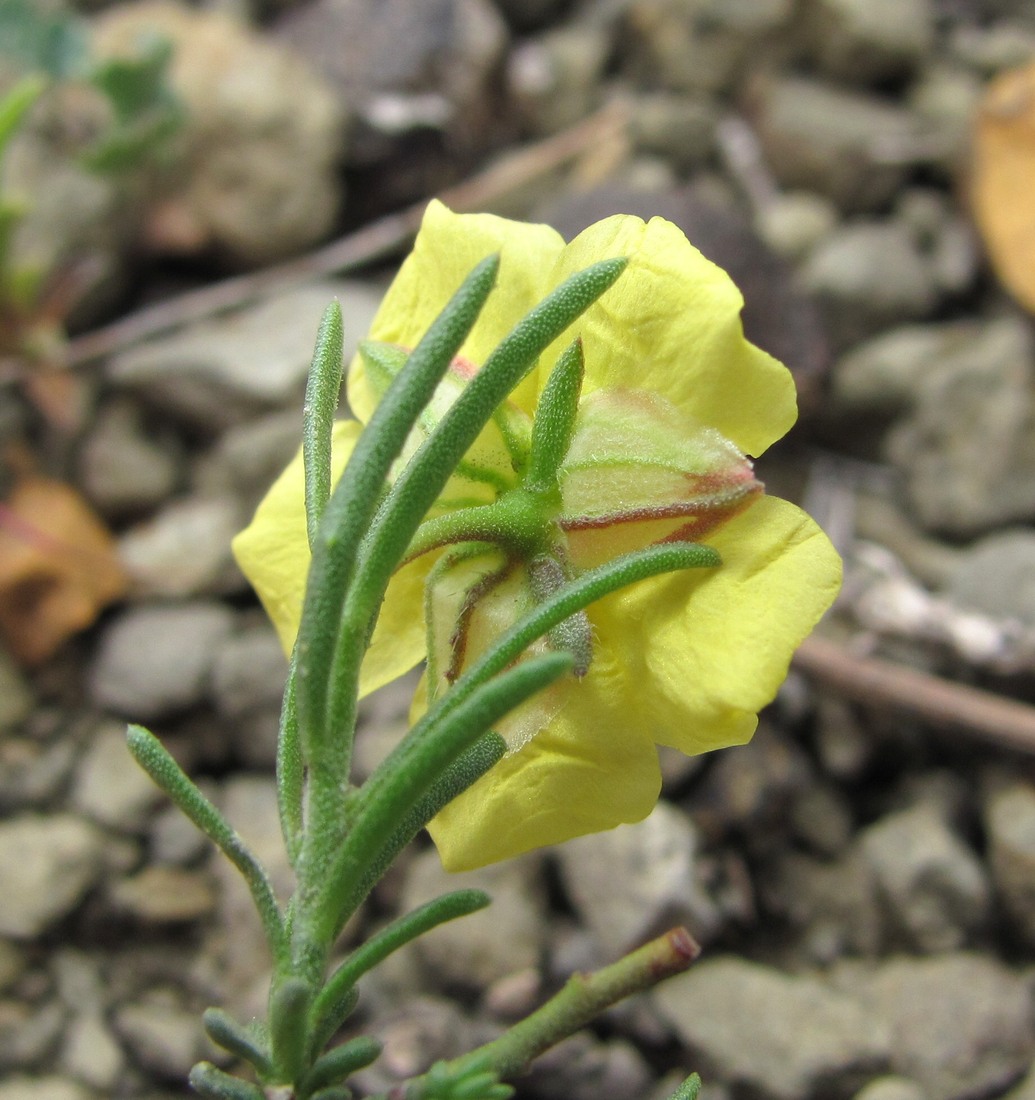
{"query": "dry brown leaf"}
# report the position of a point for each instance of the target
(58, 567)
(1003, 180)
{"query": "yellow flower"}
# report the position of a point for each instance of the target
(685, 659)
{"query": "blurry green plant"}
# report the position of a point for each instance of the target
(40, 49)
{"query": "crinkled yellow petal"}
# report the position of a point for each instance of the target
(593, 767)
(273, 553)
(671, 324)
(705, 650)
(447, 248)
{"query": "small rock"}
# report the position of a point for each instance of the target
(32, 773)
(110, 786)
(965, 481)
(996, 576)
(794, 222)
(479, 949)
(945, 99)
(46, 865)
(42, 1088)
(697, 45)
(184, 550)
(91, 1053)
(553, 79)
(782, 1036)
(856, 149)
(891, 1088)
(932, 884)
(165, 895)
(249, 457)
(252, 175)
(871, 41)
(220, 372)
(1010, 817)
(154, 660)
(678, 127)
(655, 860)
(249, 673)
(403, 70)
(163, 1036)
(960, 1024)
(867, 276)
(123, 468)
(28, 1033)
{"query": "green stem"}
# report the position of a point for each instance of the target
(583, 997)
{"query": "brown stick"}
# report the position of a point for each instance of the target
(376, 241)
(877, 682)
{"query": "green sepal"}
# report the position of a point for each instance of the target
(554, 423)
(335, 1066)
(153, 757)
(289, 1027)
(239, 1040)
(459, 903)
(321, 403)
(214, 1084)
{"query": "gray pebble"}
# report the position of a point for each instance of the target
(996, 576)
(656, 863)
(162, 1035)
(779, 1035)
(891, 1088)
(1010, 822)
(50, 1087)
(46, 865)
(932, 885)
(184, 550)
(153, 660)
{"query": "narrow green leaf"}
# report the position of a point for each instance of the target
(226, 1032)
(290, 771)
(289, 1027)
(554, 422)
(411, 770)
(397, 934)
(336, 1065)
(335, 1092)
(332, 1015)
(689, 1089)
(321, 404)
(152, 756)
(214, 1084)
(351, 507)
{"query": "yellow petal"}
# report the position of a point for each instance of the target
(671, 324)
(591, 769)
(447, 248)
(273, 553)
(710, 648)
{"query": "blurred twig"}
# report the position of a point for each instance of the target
(373, 242)
(880, 683)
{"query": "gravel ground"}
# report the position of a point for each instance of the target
(862, 875)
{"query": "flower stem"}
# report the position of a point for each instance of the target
(583, 997)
